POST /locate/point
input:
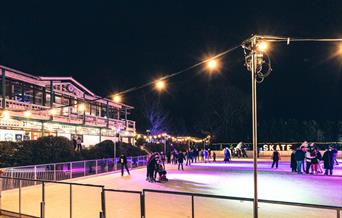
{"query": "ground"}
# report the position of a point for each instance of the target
(232, 179)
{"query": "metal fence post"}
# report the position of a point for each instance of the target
(192, 206)
(338, 213)
(96, 165)
(20, 197)
(35, 175)
(103, 203)
(42, 204)
(54, 172)
(142, 204)
(70, 199)
(84, 168)
(70, 170)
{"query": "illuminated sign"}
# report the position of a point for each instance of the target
(278, 147)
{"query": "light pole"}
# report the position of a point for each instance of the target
(254, 52)
(254, 124)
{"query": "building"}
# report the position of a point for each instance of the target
(36, 106)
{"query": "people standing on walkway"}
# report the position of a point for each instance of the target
(123, 163)
(275, 158)
(180, 159)
(328, 161)
(300, 156)
(293, 161)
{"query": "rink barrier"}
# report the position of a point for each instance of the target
(141, 194)
(338, 209)
(68, 170)
(42, 184)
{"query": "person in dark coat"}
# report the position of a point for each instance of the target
(328, 159)
(123, 163)
(275, 158)
(293, 162)
(151, 165)
(180, 158)
(300, 156)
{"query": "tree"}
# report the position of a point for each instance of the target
(156, 116)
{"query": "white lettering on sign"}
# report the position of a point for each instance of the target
(279, 147)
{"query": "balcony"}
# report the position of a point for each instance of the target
(39, 112)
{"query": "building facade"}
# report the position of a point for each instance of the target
(36, 106)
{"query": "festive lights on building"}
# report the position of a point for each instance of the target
(27, 114)
(165, 136)
(6, 115)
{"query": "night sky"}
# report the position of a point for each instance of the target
(114, 46)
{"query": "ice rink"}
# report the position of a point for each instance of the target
(231, 179)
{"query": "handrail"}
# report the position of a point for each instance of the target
(244, 199)
(77, 161)
(51, 181)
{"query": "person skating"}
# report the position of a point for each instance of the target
(328, 161)
(334, 151)
(188, 158)
(180, 159)
(314, 162)
(308, 159)
(226, 153)
(162, 159)
(293, 161)
(300, 156)
(123, 163)
(214, 156)
(275, 158)
(151, 165)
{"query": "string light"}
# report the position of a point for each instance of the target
(117, 98)
(160, 85)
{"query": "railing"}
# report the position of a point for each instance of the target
(67, 170)
(64, 199)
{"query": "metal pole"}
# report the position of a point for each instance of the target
(20, 198)
(254, 126)
(142, 204)
(70, 199)
(103, 203)
(192, 206)
(42, 204)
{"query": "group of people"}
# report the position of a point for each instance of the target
(308, 158)
(156, 166)
(191, 156)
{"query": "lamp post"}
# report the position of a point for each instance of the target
(254, 124)
(256, 49)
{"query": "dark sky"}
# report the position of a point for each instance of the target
(119, 44)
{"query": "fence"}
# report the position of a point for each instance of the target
(67, 170)
(63, 199)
